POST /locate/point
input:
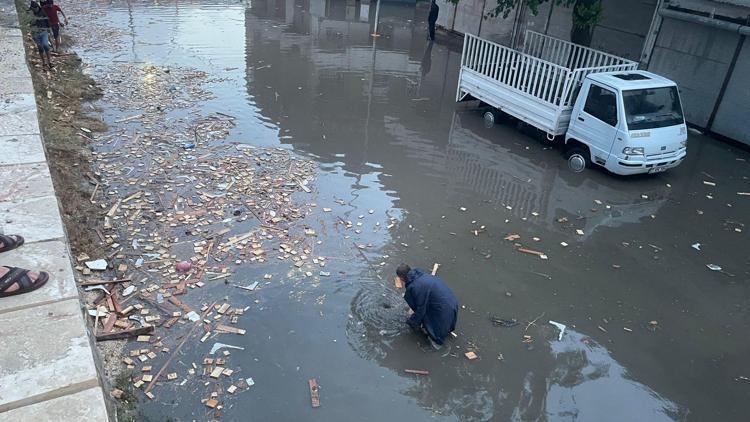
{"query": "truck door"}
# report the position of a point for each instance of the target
(597, 122)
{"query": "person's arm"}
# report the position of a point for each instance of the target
(418, 304)
(63, 13)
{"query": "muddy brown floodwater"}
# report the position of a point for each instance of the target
(653, 334)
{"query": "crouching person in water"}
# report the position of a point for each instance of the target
(434, 304)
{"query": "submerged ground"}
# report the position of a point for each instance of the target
(410, 176)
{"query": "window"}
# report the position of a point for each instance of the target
(602, 104)
(632, 77)
(652, 108)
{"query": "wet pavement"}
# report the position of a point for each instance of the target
(653, 334)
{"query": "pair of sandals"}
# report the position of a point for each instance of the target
(18, 276)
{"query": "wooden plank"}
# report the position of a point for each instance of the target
(172, 321)
(435, 268)
(397, 282)
(117, 335)
(176, 302)
(110, 304)
(229, 329)
(109, 323)
(314, 392)
(216, 372)
(530, 251)
(416, 371)
(116, 301)
(112, 211)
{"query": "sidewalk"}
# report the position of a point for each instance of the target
(47, 369)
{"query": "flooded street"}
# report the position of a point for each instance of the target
(411, 176)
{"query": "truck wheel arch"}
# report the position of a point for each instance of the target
(578, 155)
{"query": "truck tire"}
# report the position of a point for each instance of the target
(489, 119)
(578, 158)
(492, 116)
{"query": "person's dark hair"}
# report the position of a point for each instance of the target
(403, 270)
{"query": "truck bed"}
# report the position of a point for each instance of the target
(537, 84)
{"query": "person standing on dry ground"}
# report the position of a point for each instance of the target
(434, 304)
(40, 32)
(52, 10)
(432, 19)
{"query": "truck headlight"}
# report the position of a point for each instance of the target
(633, 151)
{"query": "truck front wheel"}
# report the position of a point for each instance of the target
(578, 159)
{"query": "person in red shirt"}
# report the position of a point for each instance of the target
(51, 9)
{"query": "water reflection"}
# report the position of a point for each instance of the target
(587, 384)
(536, 185)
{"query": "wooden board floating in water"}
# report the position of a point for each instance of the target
(416, 371)
(314, 393)
(435, 268)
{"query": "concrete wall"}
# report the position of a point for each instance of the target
(468, 16)
(621, 31)
(697, 57)
(623, 27)
(731, 117)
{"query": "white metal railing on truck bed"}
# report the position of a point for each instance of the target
(547, 68)
(567, 54)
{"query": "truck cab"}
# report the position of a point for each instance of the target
(629, 122)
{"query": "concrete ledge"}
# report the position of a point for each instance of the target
(36, 219)
(18, 115)
(46, 348)
(87, 405)
(20, 149)
(16, 85)
(24, 181)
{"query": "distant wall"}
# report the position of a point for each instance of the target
(689, 53)
(699, 58)
(623, 27)
(621, 31)
(732, 114)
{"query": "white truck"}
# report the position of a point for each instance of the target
(611, 114)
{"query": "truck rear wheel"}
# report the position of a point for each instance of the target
(491, 117)
(578, 159)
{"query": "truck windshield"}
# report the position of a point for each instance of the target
(652, 108)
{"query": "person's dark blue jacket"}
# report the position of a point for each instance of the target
(434, 305)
